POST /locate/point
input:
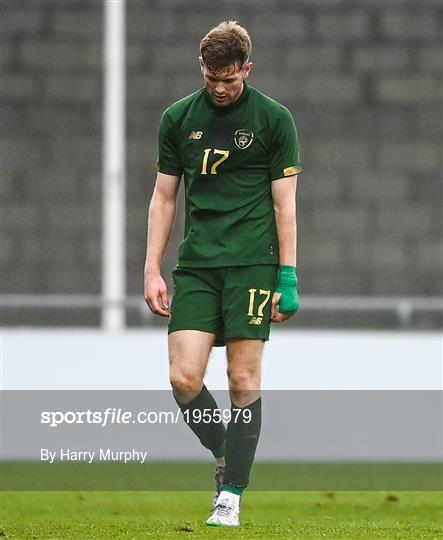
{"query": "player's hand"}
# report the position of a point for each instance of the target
(285, 300)
(156, 294)
(276, 316)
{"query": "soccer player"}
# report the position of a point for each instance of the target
(238, 152)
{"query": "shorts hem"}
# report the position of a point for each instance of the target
(175, 328)
(261, 338)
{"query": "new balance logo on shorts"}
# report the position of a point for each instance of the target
(256, 320)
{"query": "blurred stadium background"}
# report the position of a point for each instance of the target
(363, 80)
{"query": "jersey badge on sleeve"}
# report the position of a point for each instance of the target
(243, 138)
(289, 171)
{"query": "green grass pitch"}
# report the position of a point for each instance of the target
(114, 514)
(181, 514)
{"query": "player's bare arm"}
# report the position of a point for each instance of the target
(161, 218)
(284, 198)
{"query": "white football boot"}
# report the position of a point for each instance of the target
(227, 511)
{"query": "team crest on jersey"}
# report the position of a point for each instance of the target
(243, 138)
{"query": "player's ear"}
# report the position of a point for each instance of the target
(247, 69)
(202, 64)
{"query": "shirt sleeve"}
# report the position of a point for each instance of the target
(168, 161)
(285, 149)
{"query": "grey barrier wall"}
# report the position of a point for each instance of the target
(79, 359)
(362, 80)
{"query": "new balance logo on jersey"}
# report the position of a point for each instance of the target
(256, 320)
(195, 135)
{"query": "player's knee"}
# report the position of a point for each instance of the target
(243, 379)
(182, 381)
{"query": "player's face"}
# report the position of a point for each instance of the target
(225, 86)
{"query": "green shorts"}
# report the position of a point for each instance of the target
(232, 302)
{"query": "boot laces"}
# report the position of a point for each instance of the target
(224, 508)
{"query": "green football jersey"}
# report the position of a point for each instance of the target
(228, 156)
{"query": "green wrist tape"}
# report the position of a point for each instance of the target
(287, 287)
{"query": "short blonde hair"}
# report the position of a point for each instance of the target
(227, 43)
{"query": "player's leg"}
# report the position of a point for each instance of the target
(244, 372)
(189, 352)
(194, 325)
(188, 356)
(247, 306)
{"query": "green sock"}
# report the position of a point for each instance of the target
(241, 441)
(232, 489)
(220, 451)
(212, 435)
